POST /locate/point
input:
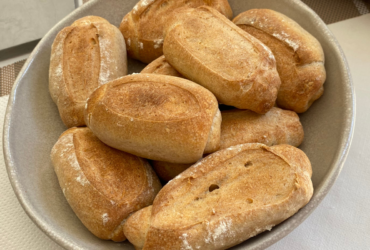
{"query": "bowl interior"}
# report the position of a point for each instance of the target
(32, 126)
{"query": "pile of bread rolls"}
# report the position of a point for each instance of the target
(230, 174)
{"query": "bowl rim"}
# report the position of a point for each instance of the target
(320, 191)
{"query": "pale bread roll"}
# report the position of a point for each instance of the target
(156, 117)
(207, 48)
(84, 56)
(225, 199)
(276, 127)
(143, 26)
(299, 56)
(102, 185)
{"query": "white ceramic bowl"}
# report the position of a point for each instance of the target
(32, 126)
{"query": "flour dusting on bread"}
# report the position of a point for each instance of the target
(105, 218)
(284, 37)
(185, 243)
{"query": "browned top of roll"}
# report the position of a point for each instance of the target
(143, 26)
(103, 185)
(207, 48)
(84, 56)
(226, 198)
(299, 56)
(154, 116)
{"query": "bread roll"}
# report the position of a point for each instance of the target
(225, 199)
(208, 49)
(84, 56)
(299, 56)
(101, 184)
(276, 127)
(160, 66)
(157, 117)
(143, 26)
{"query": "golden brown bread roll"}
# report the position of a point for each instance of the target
(143, 26)
(299, 56)
(102, 185)
(157, 117)
(160, 66)
(276, 127)
(209, 49)
(224, 199)
(84, 56)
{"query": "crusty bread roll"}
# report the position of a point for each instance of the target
(143, 26)
(157, 117)
(276, 127)
(299, 56)
(226, 198)
(160, 66)
(84, 56)
(209, 49)
(102, 185)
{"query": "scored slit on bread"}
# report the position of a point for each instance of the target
(156, 117)
(224, 199)
(84, 56)
(210, 50)
(143, 26)
(102, 185)
(299, 56)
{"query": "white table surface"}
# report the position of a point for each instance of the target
(341, 221)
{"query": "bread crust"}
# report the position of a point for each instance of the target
(160, 66)
(143, 26)
(156, 117)
(236, 67)
(102, 185)
(276, 127)
(299, 56)
(70, 92)
(228, 197)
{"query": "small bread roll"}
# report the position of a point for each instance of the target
(143, 26)
(160, 66)
(209, 49)
(226, 198)
(156, 117)
(101, 184)
(84, 56)
(276, 127)
(299, 56)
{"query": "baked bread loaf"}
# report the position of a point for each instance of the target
(209, 49)
(157, 117)
(160, 66)
(224, 199)
(143, 26)
(276, 127)
(84, 56)
(102, 185)
(299, 56)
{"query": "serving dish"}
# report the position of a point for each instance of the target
(32, 126)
